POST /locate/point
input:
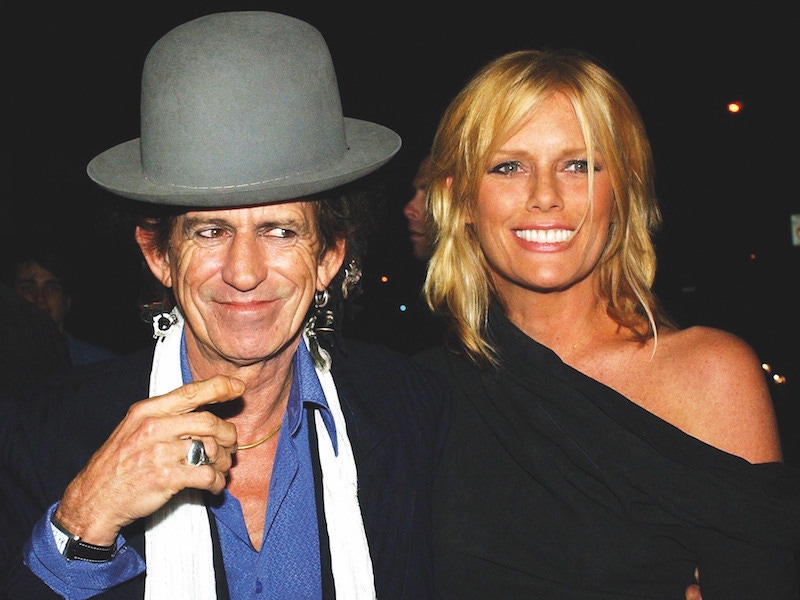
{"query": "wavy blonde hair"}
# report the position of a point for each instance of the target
(493, 105)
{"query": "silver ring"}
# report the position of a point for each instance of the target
(196, 455)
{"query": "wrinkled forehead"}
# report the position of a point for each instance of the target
(299, 212)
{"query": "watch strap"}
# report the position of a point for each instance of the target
(73, 548)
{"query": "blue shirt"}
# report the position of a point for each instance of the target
(288, 564)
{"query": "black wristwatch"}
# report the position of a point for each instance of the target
(71, 546)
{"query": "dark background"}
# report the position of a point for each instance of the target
(727, 182)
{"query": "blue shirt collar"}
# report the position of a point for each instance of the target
(307, 390)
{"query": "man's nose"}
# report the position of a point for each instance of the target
(245, 264)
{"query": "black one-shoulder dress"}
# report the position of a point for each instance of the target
(553, 485)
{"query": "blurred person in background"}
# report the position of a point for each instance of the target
(41, 276)
(415, 212)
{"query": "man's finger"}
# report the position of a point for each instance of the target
(187, 398)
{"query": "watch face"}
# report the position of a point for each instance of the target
(60, 537)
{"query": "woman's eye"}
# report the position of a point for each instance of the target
(578, 166)
(581, 166)
(506, 168)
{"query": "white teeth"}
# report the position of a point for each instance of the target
(545, 236)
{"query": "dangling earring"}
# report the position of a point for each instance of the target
(319, 322)
(352, 275)
(323, 318)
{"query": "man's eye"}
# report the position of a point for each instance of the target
(209, 233)
(280, 232)
(506, 168)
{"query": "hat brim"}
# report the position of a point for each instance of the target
(369, 147)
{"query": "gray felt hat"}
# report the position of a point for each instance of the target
(239, 109)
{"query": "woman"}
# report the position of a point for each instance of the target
(598, 450)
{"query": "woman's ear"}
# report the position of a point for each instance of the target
(158, 263)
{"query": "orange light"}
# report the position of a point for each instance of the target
(734, 107)
(384, 279)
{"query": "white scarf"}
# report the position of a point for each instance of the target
(178, 544)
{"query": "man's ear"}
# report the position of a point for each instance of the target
(158, 263)
(331, 262)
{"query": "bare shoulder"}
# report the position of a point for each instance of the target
(715, 351)
(715, 380)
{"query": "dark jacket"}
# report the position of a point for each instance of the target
(395, 412)
(31, 346)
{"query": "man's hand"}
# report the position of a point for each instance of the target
(143, 463)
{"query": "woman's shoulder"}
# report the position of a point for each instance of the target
(704, 338)
(714, 379)
(710, 357)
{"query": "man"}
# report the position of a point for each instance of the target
(31, 347)
(40, 277)
(416, 213)
(395, 313)
(262, 463)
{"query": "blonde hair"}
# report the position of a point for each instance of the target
(498, 99)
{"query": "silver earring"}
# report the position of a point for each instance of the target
(321, 321)
(323, 317)
(161, 324)
(352, 275)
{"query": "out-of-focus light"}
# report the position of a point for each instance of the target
(752, 256)
(776, 377)
(384, 279)
(734, 107)
(403, 308)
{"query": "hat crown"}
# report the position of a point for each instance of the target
(237, 99)
(241, 109)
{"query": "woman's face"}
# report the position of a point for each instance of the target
(532, 200)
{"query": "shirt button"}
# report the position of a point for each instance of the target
(259, 587)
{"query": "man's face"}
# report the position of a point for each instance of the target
(38, 285)
(415, 211)
(244, 279)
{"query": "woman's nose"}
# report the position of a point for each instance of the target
(544, 194)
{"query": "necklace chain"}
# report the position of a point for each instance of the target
(262, 440)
